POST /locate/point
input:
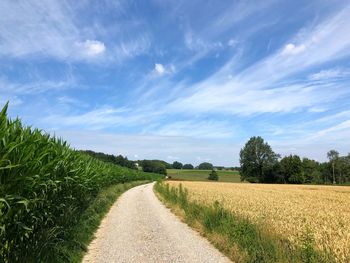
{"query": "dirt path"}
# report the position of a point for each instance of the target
(139, 228)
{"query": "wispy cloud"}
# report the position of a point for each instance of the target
(197, 129)
(52, 29)
(260, 89)
(197, 78)
(91, 48)
(329, 74)
(96, 119)
(38, 86)
(160, 69)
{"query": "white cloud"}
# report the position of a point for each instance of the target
(317, 109)
(91, 48)
(38, 86)
(198, 44)
(53, 29)
(232, 42)
(204, 129)
(94, 120)
(36, 28)
(291, 49)
(333, 131)
(259, 88)
(159, 69)
(328, 74)
(131, 48)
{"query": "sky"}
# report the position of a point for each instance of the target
(187, 81)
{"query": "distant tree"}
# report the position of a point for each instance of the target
(213, 176)
(160, 170)
(312, 171)
(257, 160)
(188, 166)
(292, 169)
(177, 165)
(153, 167)
(159, 162)
(333, 156)
(205, 166)
(110, 158)
(344, 169)
(326, 172)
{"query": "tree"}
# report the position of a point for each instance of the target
(177, 165)
(257, 160)
(213, 176)
(292, 169)
(188, 166)
(110, 158)
(153, 167)
(205, 166)
(333, 156)
(311, 171)
(343, 168)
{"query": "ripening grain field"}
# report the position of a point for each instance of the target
(287, 210)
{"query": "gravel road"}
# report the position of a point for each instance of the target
(139, 228)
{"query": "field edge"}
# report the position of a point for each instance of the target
(83, 233)
(236, 237)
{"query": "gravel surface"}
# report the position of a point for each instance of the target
(139, 228)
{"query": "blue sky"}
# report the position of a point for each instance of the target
(180, 80)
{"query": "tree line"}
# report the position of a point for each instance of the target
(110, 158)
(201, 166)
(260, 164)
(159, 166)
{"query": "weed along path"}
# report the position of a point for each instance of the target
(139, 228)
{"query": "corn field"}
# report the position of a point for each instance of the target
(44, 187)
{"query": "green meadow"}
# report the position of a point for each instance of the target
(202, 175)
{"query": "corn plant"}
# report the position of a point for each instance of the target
(44, 187)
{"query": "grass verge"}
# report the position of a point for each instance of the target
(237, 237)
(75, 243)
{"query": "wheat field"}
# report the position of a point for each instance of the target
(287, 210)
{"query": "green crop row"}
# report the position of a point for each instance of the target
(44, 188)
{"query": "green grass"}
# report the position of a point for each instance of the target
(202, 175)
(80, 235)
(237, 237)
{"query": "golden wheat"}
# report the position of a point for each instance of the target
(288, 210)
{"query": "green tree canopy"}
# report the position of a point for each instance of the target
(152, 166)
(213, 175)
(292, 169)
(257, 160)
(188, 166)
(333, 157)
(177, 165)
(205, 166)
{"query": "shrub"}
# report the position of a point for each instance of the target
(213, 176)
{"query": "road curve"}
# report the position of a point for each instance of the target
(139, 228)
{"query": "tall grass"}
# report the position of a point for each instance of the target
(45, 186)
(237, 237)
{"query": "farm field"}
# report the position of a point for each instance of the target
(202, 175)
(46, 188)
(290, 211)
